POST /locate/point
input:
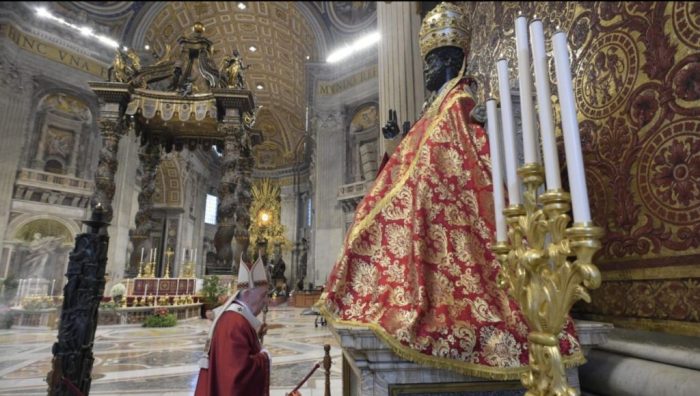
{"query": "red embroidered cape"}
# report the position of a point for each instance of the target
(236, 365)
(417, 266)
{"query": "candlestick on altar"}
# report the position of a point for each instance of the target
(544, 104)
(497, 170)
(569, 123)
(527, 113)
(19, 289)
(546, 264)
(508, 134)
(168, 258)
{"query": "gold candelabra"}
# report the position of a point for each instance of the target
(168, 257)
(540, 277)
(141, 274)
(187, 270)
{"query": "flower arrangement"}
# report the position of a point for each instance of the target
(117, 290)
(160, 318)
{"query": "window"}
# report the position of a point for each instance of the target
(210, 210)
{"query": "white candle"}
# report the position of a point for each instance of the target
(150, 255)
(496, 170)
(549, 146)
(508, 133)
(195, 257)
(53, 283)
(141, 256)
(572, 140)
(19, 289)
(527, 109)
(155, 254)
(145, 290)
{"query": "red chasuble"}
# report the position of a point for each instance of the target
(236, 365)
(417, 266)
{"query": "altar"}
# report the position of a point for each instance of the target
(161, 286)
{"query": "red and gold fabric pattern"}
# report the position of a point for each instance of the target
(416, 265)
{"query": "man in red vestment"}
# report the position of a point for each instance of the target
(416, 266)
(235, 363)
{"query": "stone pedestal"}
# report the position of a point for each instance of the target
(370, 368)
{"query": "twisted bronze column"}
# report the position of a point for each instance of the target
(228, 207)
(111, 131)
(244, 197)
(149, 157)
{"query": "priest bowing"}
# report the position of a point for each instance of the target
(235, 363)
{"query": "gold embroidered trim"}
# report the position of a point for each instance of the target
(459, 366)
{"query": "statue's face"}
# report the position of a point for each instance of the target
(434, 71)
(437, 64)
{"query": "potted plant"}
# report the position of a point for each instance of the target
(211, 293)
(160, 318)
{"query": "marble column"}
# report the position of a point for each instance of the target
(401, 84)
(15, 108)
(288, 218)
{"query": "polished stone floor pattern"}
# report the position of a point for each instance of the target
(132, 360)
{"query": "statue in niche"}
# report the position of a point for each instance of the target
(232, 69)
(415, 266)
(40, 256)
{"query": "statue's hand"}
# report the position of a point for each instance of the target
(478, 113)
(391, 129)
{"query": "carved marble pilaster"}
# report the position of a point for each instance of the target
(149, 158)
(111, 131)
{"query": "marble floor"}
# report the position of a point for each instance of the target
(132, 360)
